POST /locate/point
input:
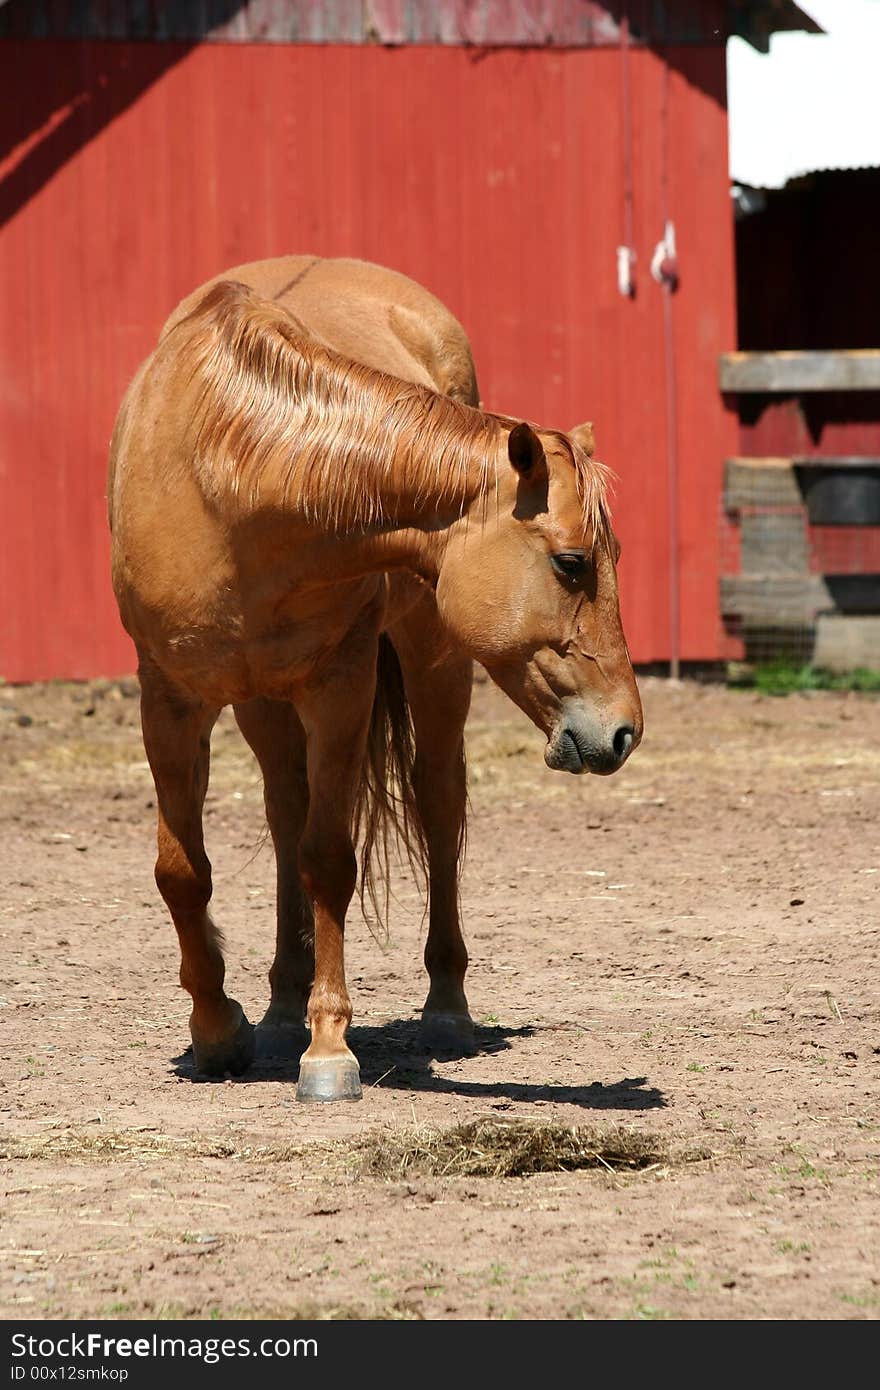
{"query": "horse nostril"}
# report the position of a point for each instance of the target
(623, 740)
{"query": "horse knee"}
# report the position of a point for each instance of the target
(184, 889)
(328, 871)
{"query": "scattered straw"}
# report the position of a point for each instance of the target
(504, 1149)
(486, 1147)
(112, 1144)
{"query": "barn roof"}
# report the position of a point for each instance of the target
(546, 23)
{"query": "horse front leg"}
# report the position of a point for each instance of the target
(438, 684)
(336, 717)
(275, 733)
(177, 732)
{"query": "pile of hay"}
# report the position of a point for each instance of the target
(491, 1148)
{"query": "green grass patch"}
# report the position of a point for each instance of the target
(784, 678)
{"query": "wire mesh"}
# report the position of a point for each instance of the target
(792, 591)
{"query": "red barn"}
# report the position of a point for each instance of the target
(500, 153)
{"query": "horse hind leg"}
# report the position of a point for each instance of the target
(177, 735)
(276, 736)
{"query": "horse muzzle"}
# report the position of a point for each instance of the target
(579, 743)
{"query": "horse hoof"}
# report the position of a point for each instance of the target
(329, 1078)
(233, 1054)
(447, 1031)
(283, 1040)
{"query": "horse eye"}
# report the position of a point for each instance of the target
(569, 564)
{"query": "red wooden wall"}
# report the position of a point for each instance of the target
(494, 177)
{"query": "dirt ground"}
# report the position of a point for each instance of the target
(688, 949)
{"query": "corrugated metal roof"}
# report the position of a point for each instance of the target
(811, 103)
(494, 23)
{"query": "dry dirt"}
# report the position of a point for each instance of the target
(688, 949)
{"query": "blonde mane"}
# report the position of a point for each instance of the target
(277, 415)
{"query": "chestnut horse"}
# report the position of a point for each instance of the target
(324, 542)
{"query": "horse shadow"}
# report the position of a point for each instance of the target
(393, 1056)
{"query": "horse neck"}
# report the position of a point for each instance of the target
(421, 462)
(418, 539)
(284, 425)
(400, 478)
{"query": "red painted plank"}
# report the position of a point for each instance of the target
(820, 423)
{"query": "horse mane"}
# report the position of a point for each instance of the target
(279, 415)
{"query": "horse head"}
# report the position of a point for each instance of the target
(528, 585)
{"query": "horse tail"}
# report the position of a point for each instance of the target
(385, 810)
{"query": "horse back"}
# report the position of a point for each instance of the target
(365, 312)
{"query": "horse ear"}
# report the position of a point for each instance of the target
(526, 453)
(583, 435)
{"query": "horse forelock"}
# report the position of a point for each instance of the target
(593, 482)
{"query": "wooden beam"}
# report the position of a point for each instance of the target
(774, 542)
(780, 599)
(761, 483)
(781, 483)
(775, 600)
(800, 371)
(845, 644)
